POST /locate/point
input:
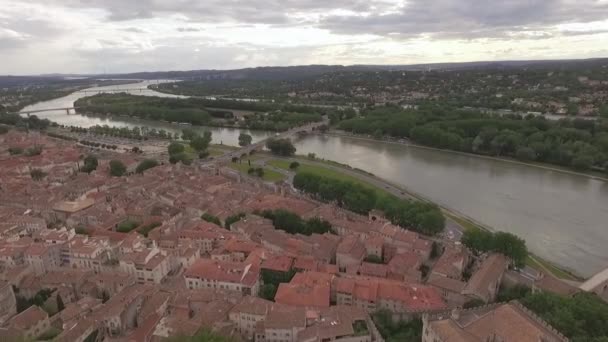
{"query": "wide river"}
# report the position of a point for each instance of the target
(563, 217)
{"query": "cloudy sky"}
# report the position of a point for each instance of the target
(97, 36)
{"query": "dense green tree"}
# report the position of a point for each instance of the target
(145, 165)
(268, 291)
(211, 218)
(397, 331)
(200, 143)
(473, 303)
(15, 150)
(245, 139)
(90, 164)
(182, 157)
(509, 293)
(582, 162)
(481, 241)
(423, 217)
(105, 296)
(581, 318)
(294, 165)
(233, 219)
(293, 224)
(33, 151)
(188, 134)
(574, 143)
(374, 259)
(281, 147)
(511, 246)
(604, 111)
(525, 154)
(117, 168)
(175, 148)
(60, 305)
(478, 240)
(37, 174)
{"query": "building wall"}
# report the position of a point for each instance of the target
(453, 299)
(345, 260)
(8, 303)
(195, 283)
(428, 334)
(37, 329)
(349, 300)
(281, 335)
(246, 322)
(46, 262)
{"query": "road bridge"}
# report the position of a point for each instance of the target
(68, 110)
(227, 157)
(111, 91)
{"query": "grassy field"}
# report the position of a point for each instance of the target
(329, 173)
(468, 225)
(269, 175)
(538, 263)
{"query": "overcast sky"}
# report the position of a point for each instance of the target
(111, 36)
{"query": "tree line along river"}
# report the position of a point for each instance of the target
(563, 217)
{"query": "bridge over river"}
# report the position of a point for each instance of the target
(227, 157)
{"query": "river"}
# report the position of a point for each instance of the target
(563, 217)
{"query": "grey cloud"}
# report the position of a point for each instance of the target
(10, 42)
(582, 33)
(188, 29)
(253, 11)
(134, 30)
(469, 18)
(209, 56)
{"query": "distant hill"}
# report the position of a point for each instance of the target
(307, 71)
(310, 71)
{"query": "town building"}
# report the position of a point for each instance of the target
(213, 274)
(499, 322)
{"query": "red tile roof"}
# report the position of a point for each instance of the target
(28, 318)
(309, 289)
(232, 272)
(281, 263)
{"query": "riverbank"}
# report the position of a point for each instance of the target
(383, 187)
(548, 167)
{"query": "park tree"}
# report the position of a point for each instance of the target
(211, 218)
(60, 305)
(478, 240)
(604, 111)
(188, 134)
(481, 241)
(175, 148)
(145, 165)
(245, 139)
(117, 168)
(511, 246)
(15, 150)
(582, 162)
(90, 164)
(281, 147)
(525, 154)
(37, 174)
(201, 143)
(294, 165)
